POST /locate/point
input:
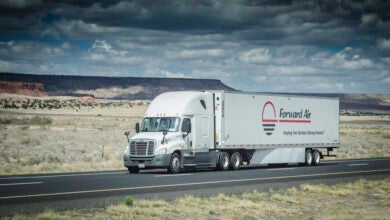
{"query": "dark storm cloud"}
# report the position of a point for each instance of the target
(260, 20)
(311, 45)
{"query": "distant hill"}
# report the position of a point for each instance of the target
(113, 87)
(144, 88)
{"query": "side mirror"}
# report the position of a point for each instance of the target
(137, 127)
(127, 133)
(187, 130)
(164, 133)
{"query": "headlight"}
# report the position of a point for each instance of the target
(126, 151)
(162, 151)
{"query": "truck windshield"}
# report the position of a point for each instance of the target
(160, 124)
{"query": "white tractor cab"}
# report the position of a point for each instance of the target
(217, 129)
(175, 133)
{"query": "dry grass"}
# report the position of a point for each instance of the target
(61, 140)
(359, 200)
(86, 139)
(364, 137)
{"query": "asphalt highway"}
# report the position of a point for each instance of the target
(29, 189)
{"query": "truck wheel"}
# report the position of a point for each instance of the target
(316, 157)
(235, 161)
(223, 161)
(133, 169)
(308, 157)
(174, 165)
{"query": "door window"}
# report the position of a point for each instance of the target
(186, 126)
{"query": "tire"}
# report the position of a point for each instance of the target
(174, 165)
(223, 161)
(316, 157)
(235, 161)
(133, 169)
(308, 157)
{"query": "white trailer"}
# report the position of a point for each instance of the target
(224, 130)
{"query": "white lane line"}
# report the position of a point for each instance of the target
(60, 175)
(15, 184)
(280, 169)
(357, 164)
(352, 161)
(173, 175)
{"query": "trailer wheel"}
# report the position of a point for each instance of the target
(316, 157)
(174, 165)
(308, 157)
(223, 161)
(133, 169)
(235, 161)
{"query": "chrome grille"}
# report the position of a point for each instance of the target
(151, 148)
(141, 148)
(132, 148)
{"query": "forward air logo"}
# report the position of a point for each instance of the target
(270, 119)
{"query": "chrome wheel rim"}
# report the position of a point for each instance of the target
(309, 158)
(225, 161)
(236, 161)
(175, 163)
(316, 157)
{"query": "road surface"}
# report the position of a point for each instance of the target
(79, 189)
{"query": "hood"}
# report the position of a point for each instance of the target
(148, 135)
(158, 136)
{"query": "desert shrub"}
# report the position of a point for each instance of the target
(129, 201)
(36, 120)
(5, 121)
(39, 120)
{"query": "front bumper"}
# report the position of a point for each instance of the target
(159, 161)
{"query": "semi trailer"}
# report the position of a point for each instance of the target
(225, 130)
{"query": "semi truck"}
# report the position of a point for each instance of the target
(228, 130)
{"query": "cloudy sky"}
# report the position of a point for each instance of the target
(285, 46)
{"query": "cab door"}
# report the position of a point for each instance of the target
(201, 132)
(187, 133)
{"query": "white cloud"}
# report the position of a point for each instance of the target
(255, 56)
(79, 28)
(327, 86)
(103, 52)
(290, 70)
(66, 45)
(6, 65)
(260, 78)
(195, 54)
(29, 50)
(348, 59)
(383, 44)
(386, 60)
(369, 19)
(211, 74)
(172, 75)
(386, 80)
(18, 67)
